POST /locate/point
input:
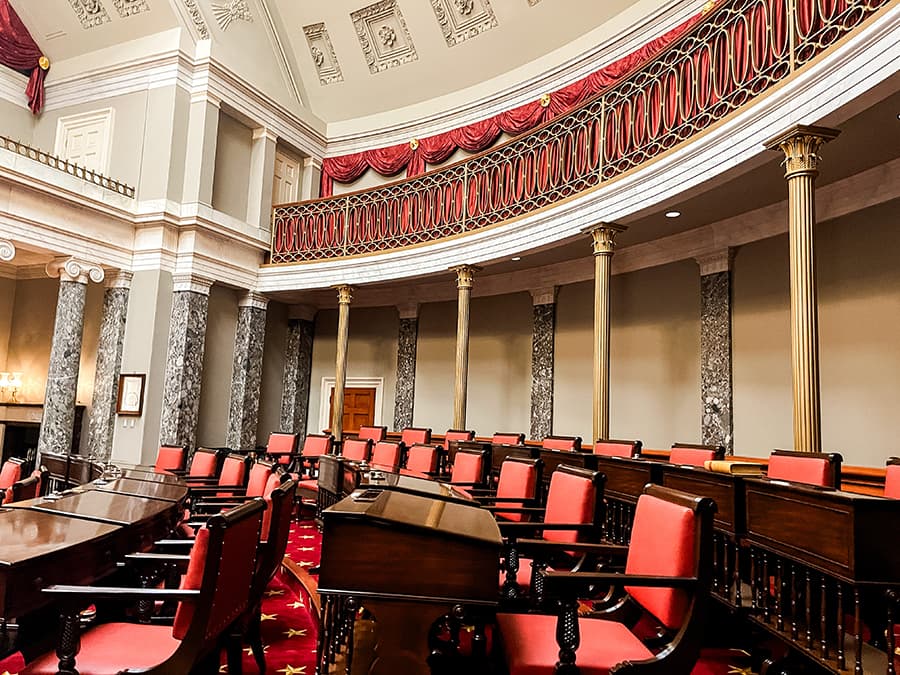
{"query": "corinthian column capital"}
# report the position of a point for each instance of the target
(7, 250)
(74, 269)
(603, 237)
(800, 145)
(345, 294)
(465, 275)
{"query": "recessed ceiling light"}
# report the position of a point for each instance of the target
(517, 258)
(673, 214)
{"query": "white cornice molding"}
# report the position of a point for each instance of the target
(119, 279)
(867, 58)
(345, 137)
(191, 282)
(254, 300)
(12, 88)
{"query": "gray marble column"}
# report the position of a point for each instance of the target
(184, 361)
(407, 342)
(101, 424)
(65, 352)
(542, 342)
(717, 425)
(297, 371)
(246, 373)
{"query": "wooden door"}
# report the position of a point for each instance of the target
(286, 179)
(359, 408)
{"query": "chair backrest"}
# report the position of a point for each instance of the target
(258, 477)
(317, 444)
(27, 488)
(412, 435)
(223, 560)
(812, 468)
(372, 433)
(565, 443)
(357, 449)
(204, 463)
(458, 435)
(170, 457)
(234, 472)
(507, 438)
(11, 472)
(575, 496)
(422, 458)
(671, 537)
(469, 466)
(280, 507)
(892, 478)
(693, 454)
(387, 454)
(520, 477)
(282, 446)
(614, 448)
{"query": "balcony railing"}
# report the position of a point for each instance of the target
(741, 49)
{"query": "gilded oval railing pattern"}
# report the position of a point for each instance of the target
(737, 52)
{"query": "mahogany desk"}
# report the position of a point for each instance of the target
(625, 481)
(409, 560)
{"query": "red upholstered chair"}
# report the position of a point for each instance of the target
(215, 591)
(387, 454)
(811, 468)
(357, 449)
(257, 480)
(423, 459)
(415, 435)
(205, 464)
(507, 438)
(170, 458)
(457, 435)
(613, 448)
(314, 447)
(27, 488)
(372, 433)
(573, 513)
(565, 443)
(230, 481)
(518, 488)
(11, 472)
(694, 455)
(892, 478)
(667, 575)
(283, 447)
(470, 468)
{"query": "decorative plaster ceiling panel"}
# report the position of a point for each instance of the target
(463, 19)
(234, 10)
(127, 8)
(322, 53)
(90, 13)
(383, 36)
(533, 2)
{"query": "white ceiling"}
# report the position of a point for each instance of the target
(438, 49)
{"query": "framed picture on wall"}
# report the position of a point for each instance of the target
(130, 400)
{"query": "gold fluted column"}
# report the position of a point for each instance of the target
(345, 294)
(464, 277)
(800, 146)
(603, 236)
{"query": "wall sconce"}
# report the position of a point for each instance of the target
(9, 386)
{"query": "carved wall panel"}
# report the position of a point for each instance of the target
(463, 19)
(90, 13)
(322, 52)
(383, 36)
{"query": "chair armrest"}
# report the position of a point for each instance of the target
(571, 583)
(512, 526)
(213, 487)
(519, 509)
(510, 500)
(577, 547)
(157, 557)
(174, 542)
(100, 592)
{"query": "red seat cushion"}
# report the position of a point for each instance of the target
(517, 479)
(11, 472)
(259, 477)
(809, 470)
(374, 434)
(566, 444)
(892, 481)
(386, 454)
(507, 439)
(529, 642)
(203, 464)
(314, 446)
(612, 449)
(232, 474)
(411, 436)
(454, 435)
(282, 444)
(571, 499)
(691, 456)
(169, 457)
(468, 467)
(422, 458)
(356, 449)
(109, 648)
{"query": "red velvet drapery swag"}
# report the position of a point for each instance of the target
(481, 135)
(20, 52)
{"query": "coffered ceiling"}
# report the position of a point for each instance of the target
(352, 59)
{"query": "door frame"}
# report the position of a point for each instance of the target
(376, 383)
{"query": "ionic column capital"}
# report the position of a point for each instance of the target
(7, 250)
(603, 237)
(800, 145)
(253, 299)
(191, 282)
(543, 296)
(345, 294)
(74, 269)
(465, 275)
(713, 263)
(119, 279)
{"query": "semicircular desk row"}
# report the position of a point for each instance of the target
(78, 536)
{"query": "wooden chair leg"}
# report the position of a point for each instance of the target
(233, 644)
(254, 637)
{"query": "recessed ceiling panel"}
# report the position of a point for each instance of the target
(322, 53)
(383, 36)
(463, 19)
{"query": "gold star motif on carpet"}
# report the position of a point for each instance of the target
(222, 669)
(307, 536)
(295, 632)
(305, 563)
(267, 617)
(290, 670)
(6, 672)
(297, 604)
(737, 670)
(307, 548)
(274, 592)
(249, 650)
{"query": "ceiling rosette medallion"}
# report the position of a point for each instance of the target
(234, 10)
(91, 13)
(383, 36)
(463, 19)
(322, 52)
